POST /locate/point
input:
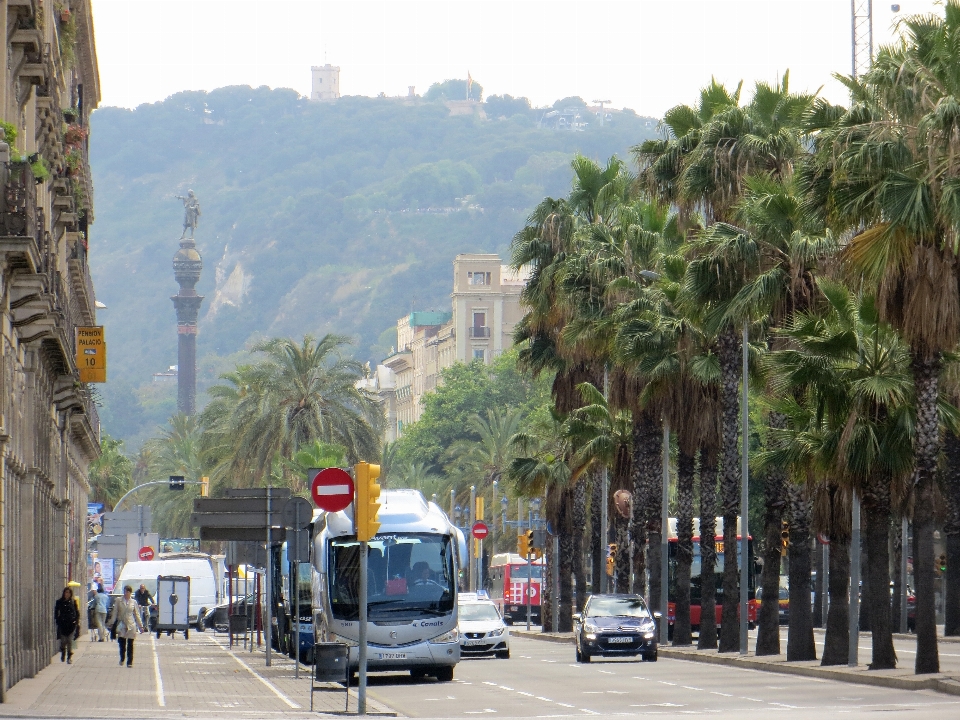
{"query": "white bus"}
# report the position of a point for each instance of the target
(413, 567)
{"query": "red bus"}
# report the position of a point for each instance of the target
(510, 576)
(753, 604)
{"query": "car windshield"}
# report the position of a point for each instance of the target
(409, 575)
(617, 607)
(479, 611)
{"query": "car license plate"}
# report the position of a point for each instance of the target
(391, 656)
(478, 641)
(618, 640)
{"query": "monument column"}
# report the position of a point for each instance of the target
(187, 265)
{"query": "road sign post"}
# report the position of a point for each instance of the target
(145, 553)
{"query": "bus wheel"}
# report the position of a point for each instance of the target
(445, 674)
(417, 674)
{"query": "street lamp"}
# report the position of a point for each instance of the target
(503, 514)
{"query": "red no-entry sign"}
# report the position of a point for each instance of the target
(480, 530)
(145, 553)
(332, 489)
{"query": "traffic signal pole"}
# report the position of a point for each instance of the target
(365, 511)
(362, 649)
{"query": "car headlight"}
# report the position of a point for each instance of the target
(590, 628)
(496, 633)
(448, 637)
(648, 635)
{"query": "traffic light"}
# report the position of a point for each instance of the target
(523, 545)
(611, 558)
(176, 482)
(530, 543)
(784, 537)
(366, 507)
(205, 487)
(941, 564)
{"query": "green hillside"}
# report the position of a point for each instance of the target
(317, 217)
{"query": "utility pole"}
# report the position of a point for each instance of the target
(861, 12)
(601, 103)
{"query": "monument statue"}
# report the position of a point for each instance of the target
(191, 213)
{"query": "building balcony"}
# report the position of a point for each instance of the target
(479, 332)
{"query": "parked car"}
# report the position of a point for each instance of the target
(615, 626)
(783, 600)
(216, 618)
(482, 629)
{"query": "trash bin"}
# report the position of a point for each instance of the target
(330, 662)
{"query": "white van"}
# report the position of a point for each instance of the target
(204, 588)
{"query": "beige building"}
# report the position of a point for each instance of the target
(325, 83)
(49, 427)
(486, 308)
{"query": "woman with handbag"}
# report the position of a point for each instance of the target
(127, 620)
(66, 616)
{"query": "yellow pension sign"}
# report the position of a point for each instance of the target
(91, 356)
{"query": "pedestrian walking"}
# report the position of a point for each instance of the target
(101, 606)
(66, 617)
(127, 618)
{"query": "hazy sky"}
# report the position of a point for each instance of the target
(645, 54)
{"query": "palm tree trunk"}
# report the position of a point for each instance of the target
(646, 464)
(876, 533)
(863, 622)
(926, 374)
(800, 644)
(951, 528)
(654, 486)
(579, 528)
(708, 550)
(836, 643)
(818, 587)
(564, 623)
(728, 353)
(547, 621)
(685, 477)
(768, 632)
(596, 539)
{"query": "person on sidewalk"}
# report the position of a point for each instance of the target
(126, 615)
(66, 617)
(101, 605)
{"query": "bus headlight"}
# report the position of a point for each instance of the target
(448, 637)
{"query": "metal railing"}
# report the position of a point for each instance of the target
(479, 332)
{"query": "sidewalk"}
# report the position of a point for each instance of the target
(199, 677)
(903, 678)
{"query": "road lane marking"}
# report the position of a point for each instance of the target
(589, 711)
(521, 692)
(752, 699)
(557, 702)
(605, 672)
(664, 682)
(259, 677)
(714, 692)
(161, 700)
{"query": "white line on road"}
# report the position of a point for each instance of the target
(714, 692)
(161, 700)
(259, 677)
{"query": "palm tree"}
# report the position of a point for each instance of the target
(299, 393)
(484, 461)
(111, 474)
(890, 178)
(175, 452)
(854, 369)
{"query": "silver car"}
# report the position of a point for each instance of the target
(482, 630)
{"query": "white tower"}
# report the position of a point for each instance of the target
(326, 82)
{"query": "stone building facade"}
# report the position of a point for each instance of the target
(49, 427)
(485, 310)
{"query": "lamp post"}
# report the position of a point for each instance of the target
(493, 525)
(503, 514)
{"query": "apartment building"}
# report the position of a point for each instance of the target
(49, 427)
(485, 310)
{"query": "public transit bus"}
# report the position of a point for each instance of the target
(301, 603)
(510, 578)
(413, 565)
(695, 584)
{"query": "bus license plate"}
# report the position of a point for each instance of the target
(391, 656)
(621, 639)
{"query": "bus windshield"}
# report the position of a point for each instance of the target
(522, 572)
(409, 575)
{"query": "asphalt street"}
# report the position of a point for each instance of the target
(542, 680)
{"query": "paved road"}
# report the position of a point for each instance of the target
(542, 680)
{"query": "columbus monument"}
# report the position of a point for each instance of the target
(187, 265)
